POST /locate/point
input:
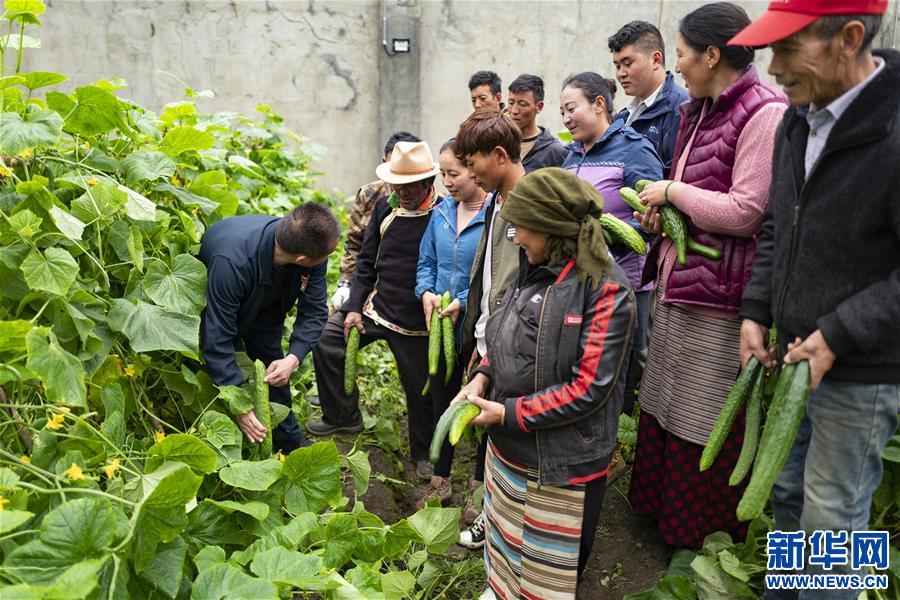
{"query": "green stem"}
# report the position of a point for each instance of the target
(18, 533)
(89, 491)
(40, 312)
(19, 52)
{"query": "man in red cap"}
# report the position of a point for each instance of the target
(827, 271)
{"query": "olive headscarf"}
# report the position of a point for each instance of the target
(556, 202)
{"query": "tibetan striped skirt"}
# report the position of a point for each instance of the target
(533, 533)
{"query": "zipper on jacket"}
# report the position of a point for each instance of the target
(537, 434)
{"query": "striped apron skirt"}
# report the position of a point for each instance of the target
(692, 364)
(532, 532)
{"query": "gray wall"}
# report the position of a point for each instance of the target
(321, 63)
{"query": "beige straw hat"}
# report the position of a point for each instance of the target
(410, 161)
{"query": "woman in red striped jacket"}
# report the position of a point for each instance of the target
(555, 351)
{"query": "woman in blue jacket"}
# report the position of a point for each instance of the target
(445, 261)
(609, 156)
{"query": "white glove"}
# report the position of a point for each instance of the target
(341, 295)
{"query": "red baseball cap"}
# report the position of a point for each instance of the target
(786, 17)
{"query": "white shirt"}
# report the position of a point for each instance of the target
(822, 121)
(485, 303)
(637, 107)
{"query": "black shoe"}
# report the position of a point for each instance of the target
(287, 448)
(322, 427)
(473, 537)
(314, 401)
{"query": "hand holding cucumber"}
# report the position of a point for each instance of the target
(814, 349)
(491, 412)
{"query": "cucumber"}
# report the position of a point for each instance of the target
(640, 184)
(704, 251)
(434, 342)
(782, 422)
(449, 338)
(454, 412)
(739, 393)
(675, 227)
(458, 425)
(260, 398)
(623, 232)
(631, 198)
(427, 387)
(751, 431)
(350, 360)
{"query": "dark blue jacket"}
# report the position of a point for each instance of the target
(238, 254)
(659, 123)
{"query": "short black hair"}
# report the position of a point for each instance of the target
(310, 229)
(448, 145)
(640, 34)
(486, 78)
(828, 26)
(526, 82)
(593, 85)
(399, 136)
(713, 25)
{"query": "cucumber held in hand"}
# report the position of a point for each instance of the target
(448, 337)
(751, 430)
(624, 233)
(631, 198)
(453, 422)
(260, 398)
(703, 250)
(350, 360)
(739, 393)
(434, 343)
(782, 423)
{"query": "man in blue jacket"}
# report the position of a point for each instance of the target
(258, 268)
(639, 56)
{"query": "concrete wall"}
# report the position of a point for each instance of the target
(321, 63)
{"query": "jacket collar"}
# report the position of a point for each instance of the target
(728, 96)
(447, 210)
(616, 127)
(667, 100)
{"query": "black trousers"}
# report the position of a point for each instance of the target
(441, 395)
(411, 354)
(263, 342)
(593, 503)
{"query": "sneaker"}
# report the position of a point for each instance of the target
(473, 537)
(488, 594)
(424, 470)
(439, 489)
(616, 467)
(314, 401)
(322, 427)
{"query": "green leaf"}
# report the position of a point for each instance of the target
(227, 582)
(184, 138)
(181, 287)
(11, 519)
(9, 80)
(238, 398)
(397, 585)
(40, 79)
(166, 567)
(219, 430)
(100, 202)
(315, 476)
(341, 534)
(438, 527)
(286, 567)
(279, 412)
(13, 335)
(36, 128)
(61, 374)
(208, 557)
(75, 583)
(732, 565)
(137, 206)
(256, 475)
(257, 510)
(69, 226)
(161, 513)
(76, 530)
(25, 223)
(95, 112)
(146, 165)
(53, 271)
(358, 462)
(18, 7)
(182, 447)
(150, 327)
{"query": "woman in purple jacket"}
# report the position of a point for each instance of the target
(721, 174)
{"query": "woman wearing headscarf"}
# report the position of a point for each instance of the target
(550, 389)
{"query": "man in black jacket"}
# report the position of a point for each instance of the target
(383, 304)
(827, 272)
(258, 268)
(540, 148)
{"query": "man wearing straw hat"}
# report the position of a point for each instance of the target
(383, 305)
